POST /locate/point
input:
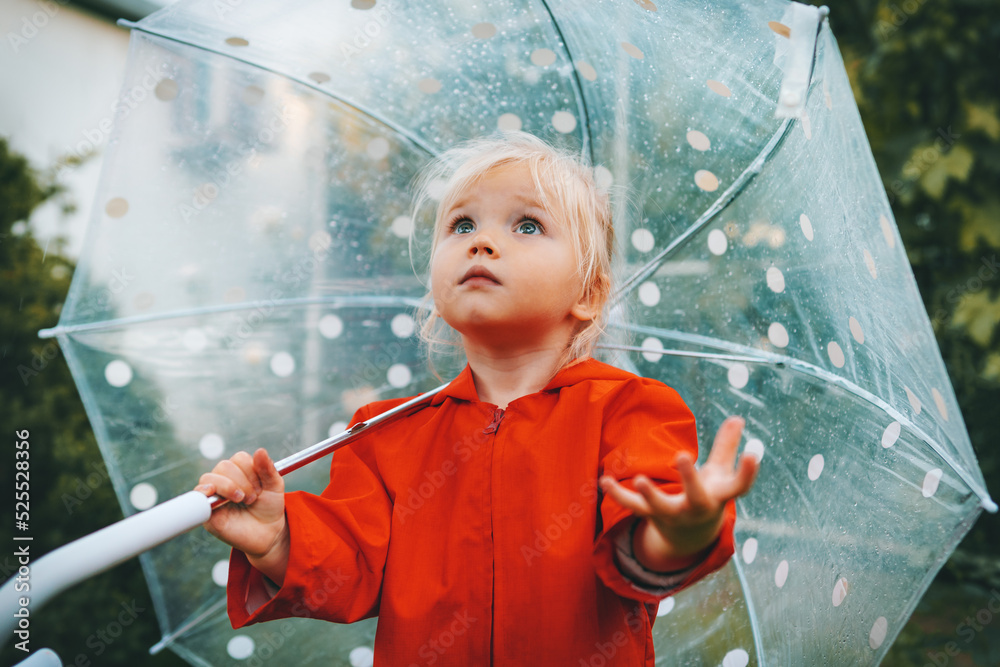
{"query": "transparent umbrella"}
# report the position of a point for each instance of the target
(248, 281)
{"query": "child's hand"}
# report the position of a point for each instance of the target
(689, 521)
(254, 519)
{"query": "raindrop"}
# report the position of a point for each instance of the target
(118, 373)
(331, 326)
(240, 647)
(211, 445)
(142, 496)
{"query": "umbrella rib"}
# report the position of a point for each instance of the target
(588, 145)
(337, 301)
(168, 639)
(807, 368)
(398, 129)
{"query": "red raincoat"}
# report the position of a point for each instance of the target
(480, 536)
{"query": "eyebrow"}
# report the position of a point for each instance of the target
(524, 200)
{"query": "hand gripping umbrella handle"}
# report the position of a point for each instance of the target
(39, 580)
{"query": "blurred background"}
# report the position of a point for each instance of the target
(926, 78)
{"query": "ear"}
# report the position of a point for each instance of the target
(587, 307)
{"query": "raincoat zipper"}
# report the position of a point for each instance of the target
(495, 424)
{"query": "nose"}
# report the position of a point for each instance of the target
(482, 244)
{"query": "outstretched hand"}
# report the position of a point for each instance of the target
(690, 521)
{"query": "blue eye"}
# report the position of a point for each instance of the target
(462, 226)
(529, 227)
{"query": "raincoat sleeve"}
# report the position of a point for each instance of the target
(338, 546)
(646, 424)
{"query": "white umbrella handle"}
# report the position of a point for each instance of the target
(39, 580)
(72, 563)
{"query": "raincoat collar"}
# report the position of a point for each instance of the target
(463, 387)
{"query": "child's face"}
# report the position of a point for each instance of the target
(504, 270)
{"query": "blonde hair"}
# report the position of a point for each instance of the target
(567, 191)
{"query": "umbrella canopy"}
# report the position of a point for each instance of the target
(248, 281)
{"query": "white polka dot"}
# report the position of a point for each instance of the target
(401, 226)
(142, 496)
(195, 340)
(586, 70)
(378, 148)
(509, 122)
(879, 630)
(781, 574)
(717, 242)
(736, 658)
(484, 30)
(429, 85)
(118, 373)
(220, 573)
(436, 188)
(754, 448)
(931, 481)
(603, 178)
(320, 240)
(806, 226)
(399, 375)
(836, 354)
(891, 434)
(402, 325)
(653, 345)
(543, 57)
(642, 240)
(116, 207)
(839, 591)
(856, 331)
(777, 334)
(211, 445)
(240, 647)
(336, 428)
(633, 50)
(331, 326)
(806, 125)
(564, 121)
(666, 606)
(718, 88)
(706, 180)
(940, 404)
(649, 294)
(362, 656)
(870, 263)
(914, 401)
(698, 140)
(750, 550)
(775, 279)
(816, 464)
(282, 364)
(890, 238)
(738, 375)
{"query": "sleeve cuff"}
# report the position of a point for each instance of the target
(655, 583)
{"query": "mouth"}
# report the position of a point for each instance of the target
(479, 274)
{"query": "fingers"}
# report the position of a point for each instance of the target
(636, 502)
(726, 443)
(238, 478)
(267, 474)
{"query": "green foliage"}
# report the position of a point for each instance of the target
(70, 494)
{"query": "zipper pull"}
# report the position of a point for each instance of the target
(495, 424)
